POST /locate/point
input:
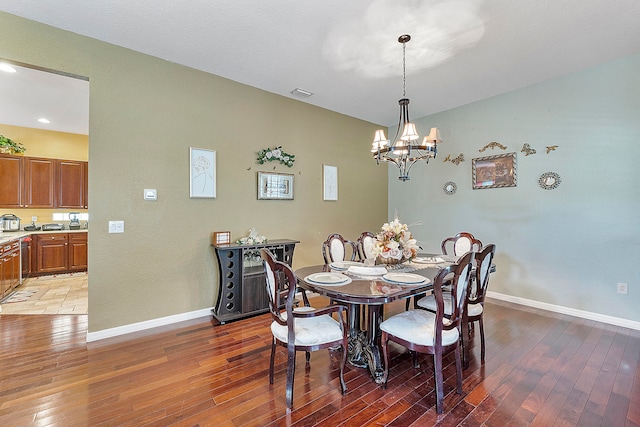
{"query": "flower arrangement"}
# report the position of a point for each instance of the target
(276, 153)
(252, 238)
(394, 243)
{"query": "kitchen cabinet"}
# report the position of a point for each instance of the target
(242, 286)
(78, 251)
(57, 253)
(39, 182)
(11, 177)
(9, 267)
(71, 184)
(36, 182)
(51, 253)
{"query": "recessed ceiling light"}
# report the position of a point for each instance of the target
(43, 120)
(301, 92)
(7, 68)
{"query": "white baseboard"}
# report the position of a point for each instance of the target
(617, 321)
(154, 323)
(147, 324)
(162, 321)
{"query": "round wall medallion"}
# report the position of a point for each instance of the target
(450, 188)
(549, 180)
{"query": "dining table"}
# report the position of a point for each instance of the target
(365, 290)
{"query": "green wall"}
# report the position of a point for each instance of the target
(567, 247)
(145, 113)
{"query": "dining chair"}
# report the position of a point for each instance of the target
(476, 294)
(461, 243)
(365, 245)
(337, 248)
(422, 331)
(300, 328)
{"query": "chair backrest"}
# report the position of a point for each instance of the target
(458, 275)
(281, 286)
(365, 245)
(484, 259)
(337, 248)
(461, 243)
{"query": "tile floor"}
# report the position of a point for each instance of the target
(60, 294)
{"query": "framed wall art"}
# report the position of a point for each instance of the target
(494, 171)
(275, 186)
(330, 182)
(202, 173)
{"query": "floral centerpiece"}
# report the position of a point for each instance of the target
(252, 239)
(394, 243)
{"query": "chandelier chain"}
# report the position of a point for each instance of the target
(404, 70)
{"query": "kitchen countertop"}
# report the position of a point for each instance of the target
(8, 236)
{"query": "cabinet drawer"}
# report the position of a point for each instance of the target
(78, 237)
(45, 238)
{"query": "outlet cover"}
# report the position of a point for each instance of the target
(622, 288)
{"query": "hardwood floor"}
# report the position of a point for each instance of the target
(541, 369)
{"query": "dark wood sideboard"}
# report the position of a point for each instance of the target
(242, 287)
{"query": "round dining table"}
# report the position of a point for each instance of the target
(367, 294)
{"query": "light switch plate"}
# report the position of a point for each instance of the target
(116, 226)
(150, 194)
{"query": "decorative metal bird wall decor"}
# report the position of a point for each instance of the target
(527, 150)
(551, 148)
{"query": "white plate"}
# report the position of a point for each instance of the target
(328, 279)
(404, 278)
(343, 265)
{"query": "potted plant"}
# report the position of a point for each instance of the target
(10, 146)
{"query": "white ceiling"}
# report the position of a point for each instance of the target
(347, 53)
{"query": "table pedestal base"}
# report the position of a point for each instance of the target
(363, 350)
(365, 355)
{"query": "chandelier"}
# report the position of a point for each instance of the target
(406, 149)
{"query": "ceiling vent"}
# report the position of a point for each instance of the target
(301, 93)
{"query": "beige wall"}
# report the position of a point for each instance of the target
(145, 113)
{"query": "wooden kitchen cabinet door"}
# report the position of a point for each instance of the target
(39, 180)
(78, 251)
(71, 184)
(52, 253)
(11, 177)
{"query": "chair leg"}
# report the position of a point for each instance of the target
(437, 373)
(481, 340)
(414, 357)
(307, 356)
(385, 357)
(291, 369)
(458, 371)
(273, 356)
(343, 361)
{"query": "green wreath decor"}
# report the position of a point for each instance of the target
(276, 153)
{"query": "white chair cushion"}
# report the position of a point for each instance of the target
(429, 303)
(310, 330)
(474, 309)
(417, 326)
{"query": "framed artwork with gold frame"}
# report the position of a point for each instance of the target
(494, 171)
